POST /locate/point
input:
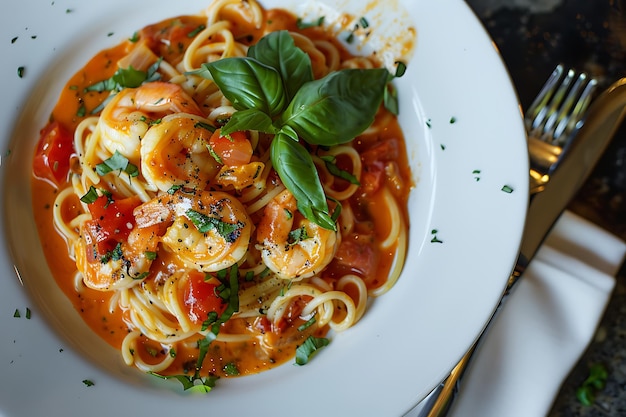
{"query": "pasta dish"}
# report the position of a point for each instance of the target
(220, 192)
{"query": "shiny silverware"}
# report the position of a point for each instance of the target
(553, 121)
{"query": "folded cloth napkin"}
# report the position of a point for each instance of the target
(545, 326)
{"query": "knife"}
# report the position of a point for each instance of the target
(603, 119)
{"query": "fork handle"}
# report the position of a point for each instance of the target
(439, 401)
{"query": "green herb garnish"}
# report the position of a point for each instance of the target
(229, 231)
(306, 25)
(231, 369)
(274, 92)
(307, 324)
(596, 381)
(311, 345)
(331, 166)
(117, 162)
(127, 78)
(91, 196)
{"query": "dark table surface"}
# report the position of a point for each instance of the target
(533, 36)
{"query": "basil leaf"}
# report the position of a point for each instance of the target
(248, 84)
(311, 345)
(249, 119)
(332, 167)
(91, 196)
(297, 171)
(338, 107)
(279, 51)
(130, 77)
(116, 162)
(123, 78)
(390, 99)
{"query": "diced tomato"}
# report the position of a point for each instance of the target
(97, 241)
(233, 150)
(52, 157)
(372, 177)
(111, 223)
(381, 151)
(373, 161)
(201, 298)
(356, 255)
(114, 217)
(293, 312)
(263, 324)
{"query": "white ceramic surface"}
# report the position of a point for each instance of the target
(408, 340)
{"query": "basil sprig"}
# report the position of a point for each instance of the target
(274, 92)
(127, 78)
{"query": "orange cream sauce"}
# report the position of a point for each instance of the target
(94, 305)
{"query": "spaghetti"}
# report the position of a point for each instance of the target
(186, 247)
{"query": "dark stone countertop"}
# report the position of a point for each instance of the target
(590, 35)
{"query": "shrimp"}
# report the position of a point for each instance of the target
(206, 230)
(126, 118)
(128, 264)
(290, 252)
(175, 152)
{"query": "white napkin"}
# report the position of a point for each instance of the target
(545, 326)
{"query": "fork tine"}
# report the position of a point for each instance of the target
(560, 107)
(556, 104)
(567, 125)
(539, 107)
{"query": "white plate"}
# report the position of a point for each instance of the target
(407, 341)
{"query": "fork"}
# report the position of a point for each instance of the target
(551, 121)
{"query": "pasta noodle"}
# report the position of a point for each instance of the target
(185, 248)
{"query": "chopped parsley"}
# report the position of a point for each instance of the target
(297, 235)
(18, 315)
(306, 25)
(229, 231)
(196, 31)
(231, 369)
(88, 383)
(20, 72)
(435, 239)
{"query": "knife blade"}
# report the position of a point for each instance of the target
(604, 117)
